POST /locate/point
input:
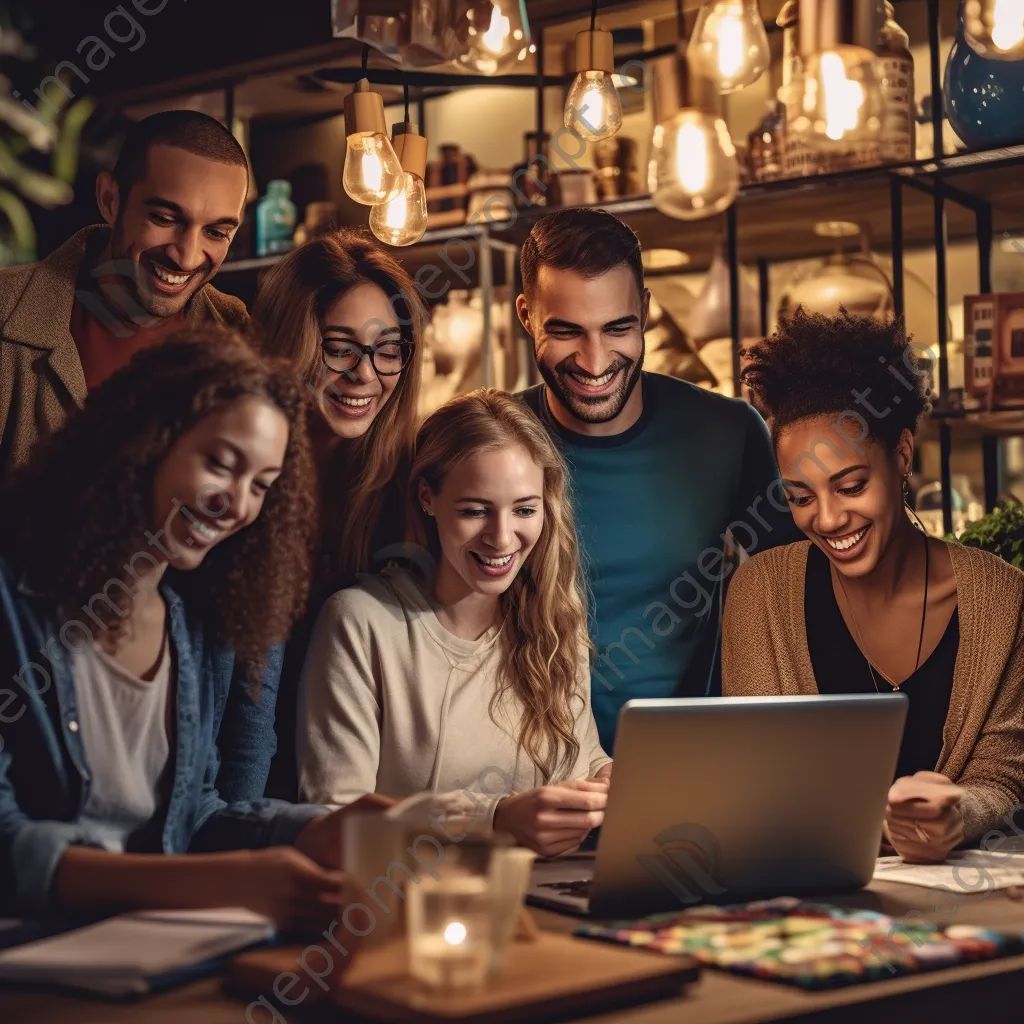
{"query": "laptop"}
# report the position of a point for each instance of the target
(724, 799)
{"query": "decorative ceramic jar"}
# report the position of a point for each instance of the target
(984, 98)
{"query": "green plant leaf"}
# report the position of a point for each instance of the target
(1001, 532)
(65, 152)
(22, 228)
(33, 185)
(39, 133)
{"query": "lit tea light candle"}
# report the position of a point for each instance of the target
(450, 942)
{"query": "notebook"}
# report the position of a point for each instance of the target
(135, 953)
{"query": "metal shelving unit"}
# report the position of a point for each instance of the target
(920, 203)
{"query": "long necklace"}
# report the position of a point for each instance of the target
(920, 638)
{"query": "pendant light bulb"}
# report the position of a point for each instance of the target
(402, 220)
(593, 109)
(693, 171)
(372, 173)
(730, 38)
(995, 28)
(840, 98)
(492, 34)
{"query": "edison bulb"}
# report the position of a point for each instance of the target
(995, 28)
(492, 34)
(693, 171)
(840, 99)
(593, 109)
(372, 173)
(403, 218)
(730, 40)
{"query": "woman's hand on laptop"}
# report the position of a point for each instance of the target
(924, 817)
(554, 819)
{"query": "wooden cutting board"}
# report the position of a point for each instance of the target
(552, 977)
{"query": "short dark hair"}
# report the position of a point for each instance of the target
(190, 130)
(813, 364)
(590, 242)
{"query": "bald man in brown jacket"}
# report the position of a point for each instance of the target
(171, 206)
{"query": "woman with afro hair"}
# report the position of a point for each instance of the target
(869, 603)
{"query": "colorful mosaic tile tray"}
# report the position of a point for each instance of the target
(812, 945)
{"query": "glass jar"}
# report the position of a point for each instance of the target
(766, 146)
(898, 142)
(798, 160)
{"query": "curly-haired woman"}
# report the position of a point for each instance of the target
(472, 684)
(194, 456)
(869, 603)
(345, 314)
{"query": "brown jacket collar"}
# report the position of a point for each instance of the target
(41, 317)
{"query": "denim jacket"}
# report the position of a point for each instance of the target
(44, 776)
(247, 739)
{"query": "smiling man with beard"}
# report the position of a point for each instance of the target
(172, 205)
(661, 470)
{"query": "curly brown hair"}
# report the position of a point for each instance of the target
(78, 511)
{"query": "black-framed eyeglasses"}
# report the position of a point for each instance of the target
(388, 358)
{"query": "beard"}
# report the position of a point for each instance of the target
(127, 287)
(596, 408)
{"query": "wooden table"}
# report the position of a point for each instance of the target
(966, 993)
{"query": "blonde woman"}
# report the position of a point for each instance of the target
(472, 684)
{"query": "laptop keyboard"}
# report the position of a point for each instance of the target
(579, 888)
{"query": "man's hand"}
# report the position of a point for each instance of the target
(553, 819)
(924, 817)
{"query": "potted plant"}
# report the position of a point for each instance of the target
(1001, 532)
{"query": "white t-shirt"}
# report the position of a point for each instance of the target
(123, 720)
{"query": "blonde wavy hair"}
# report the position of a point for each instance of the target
(360, 485)
(544, 636)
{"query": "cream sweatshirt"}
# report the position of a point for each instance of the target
(393, 703)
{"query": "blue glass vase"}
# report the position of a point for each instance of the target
(984, 98)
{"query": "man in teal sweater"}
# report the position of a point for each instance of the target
(662, 471)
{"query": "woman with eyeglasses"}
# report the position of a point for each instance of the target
(347, 316)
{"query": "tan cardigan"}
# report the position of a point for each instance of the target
(764, 653)
(41, 378)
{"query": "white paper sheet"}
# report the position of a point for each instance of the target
(964, 871)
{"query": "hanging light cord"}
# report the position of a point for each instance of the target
(680, 25)
(405, 94)
(366, 58)
(593, 23)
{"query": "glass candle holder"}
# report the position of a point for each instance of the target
(450, 931)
